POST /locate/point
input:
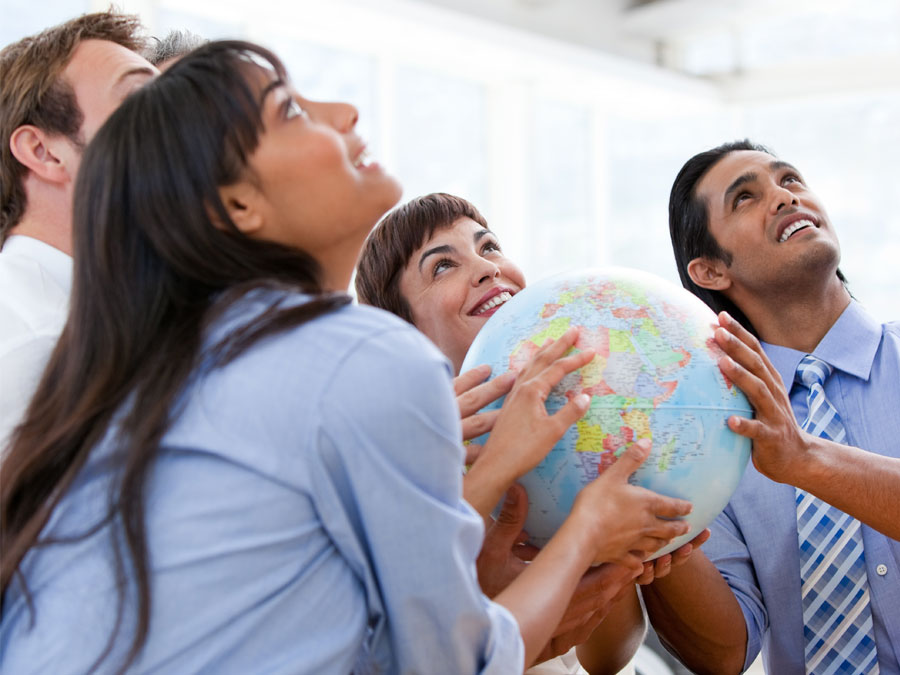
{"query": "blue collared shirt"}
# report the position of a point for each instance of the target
(754, 541)
(304, 516)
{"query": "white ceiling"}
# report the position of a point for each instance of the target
(751, 48)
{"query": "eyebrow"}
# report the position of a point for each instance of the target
(443, 248)
(750, 176)
(268, 89)
(446, 248)
(141, 70)
(778, 164)
(741, 180)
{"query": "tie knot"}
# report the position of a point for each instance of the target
(812, 371)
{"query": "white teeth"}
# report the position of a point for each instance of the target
(793, 227)
(362, 159)
(494, 302)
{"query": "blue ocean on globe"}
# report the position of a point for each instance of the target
(655, 376)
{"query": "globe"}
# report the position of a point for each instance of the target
(655, 376)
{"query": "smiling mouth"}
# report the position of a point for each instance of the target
(496, 301)
(362, 159)
(795, 227)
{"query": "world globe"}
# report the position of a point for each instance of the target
(655, 376)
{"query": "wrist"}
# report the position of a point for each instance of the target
(812, 466)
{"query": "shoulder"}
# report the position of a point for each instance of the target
(892, 330)
(384, 351)
(352, 343)
(35, 298)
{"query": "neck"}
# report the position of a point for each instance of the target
(798, 320)
(47, 225)
(339, 263)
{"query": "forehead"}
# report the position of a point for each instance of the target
(722, 174)
(101, 64)
(460, 232)
(462, 229)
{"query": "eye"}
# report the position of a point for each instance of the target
(791, 178)
(490, 246)
(441, 265)
(740, 198)
(292, 109)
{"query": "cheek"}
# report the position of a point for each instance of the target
(437, 316)
(514, 274)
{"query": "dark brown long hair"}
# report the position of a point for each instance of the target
(157, 259)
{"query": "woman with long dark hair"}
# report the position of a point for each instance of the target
(227, 467)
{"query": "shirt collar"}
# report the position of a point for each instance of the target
(850, 345)
(54, 262)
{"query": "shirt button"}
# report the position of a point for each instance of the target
(882, 570)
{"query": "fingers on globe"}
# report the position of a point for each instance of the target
(477, 396)
(470, 378)
(474, 426)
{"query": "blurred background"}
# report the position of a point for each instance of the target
(565, 121)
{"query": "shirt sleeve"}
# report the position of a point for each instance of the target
(391, 496)
(728, 551)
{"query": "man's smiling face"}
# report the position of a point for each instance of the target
(762, 213)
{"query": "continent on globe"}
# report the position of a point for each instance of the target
(655, 376)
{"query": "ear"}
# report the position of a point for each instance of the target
(709, 273)
(40, 153)
(244, 206)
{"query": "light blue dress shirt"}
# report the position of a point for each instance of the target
(304, 516)
(754, 541)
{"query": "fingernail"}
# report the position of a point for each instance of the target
(583, 401)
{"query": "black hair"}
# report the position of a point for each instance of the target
(689, 225)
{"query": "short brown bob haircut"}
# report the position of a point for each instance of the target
(393, 242)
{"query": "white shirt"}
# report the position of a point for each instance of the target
(35, 280)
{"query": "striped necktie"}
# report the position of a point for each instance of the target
(837, 619)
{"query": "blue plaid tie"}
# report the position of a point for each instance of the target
(837, 619)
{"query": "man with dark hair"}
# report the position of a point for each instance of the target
(803, 563)
(56, 90)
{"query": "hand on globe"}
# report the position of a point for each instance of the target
(654, 376)
(597, 592)
(499, 561)
(779, 445)
(525, 430)
(473, 394)
(661, 566)
(623, 522)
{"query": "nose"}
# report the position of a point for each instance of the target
(782, 197)
(484, 271)
(341, 116)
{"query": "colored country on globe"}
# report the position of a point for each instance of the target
(655, 376)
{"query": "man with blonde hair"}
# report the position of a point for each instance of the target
(56, 90)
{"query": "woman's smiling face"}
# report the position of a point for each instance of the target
(313, 182)
(455, 282)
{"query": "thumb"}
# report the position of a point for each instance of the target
(512, 515)
(573, 410)
(631, 459)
